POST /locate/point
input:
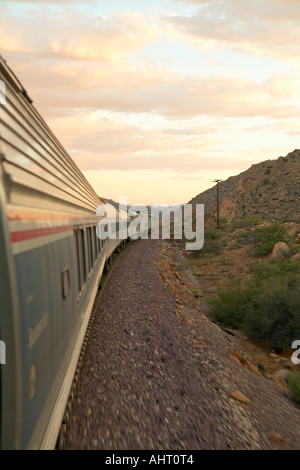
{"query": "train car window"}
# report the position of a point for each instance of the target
(79, 239)
(97, 243)
(90, 247)
(100, 242)
(99, 239)
(94, 242)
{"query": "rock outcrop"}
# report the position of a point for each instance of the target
(270, 189)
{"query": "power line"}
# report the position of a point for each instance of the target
(218, 214)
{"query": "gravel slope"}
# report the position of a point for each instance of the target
(157, 374)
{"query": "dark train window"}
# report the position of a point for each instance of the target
(79, 239)
(94, 243)
(89, 248)
(95, 240)
(99, 241)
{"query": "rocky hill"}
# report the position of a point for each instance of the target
(270, 189)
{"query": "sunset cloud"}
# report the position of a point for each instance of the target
(60, 88)
(70, 34)
(257, 27)
(64, 2)
(152, 90)
(112, 144)
(174, 91)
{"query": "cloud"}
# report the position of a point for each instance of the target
(78, 68)
(285, 2)
(202, 2)
(269, 29)
(197, 2)
(181, 97)
(59, 2)
(102, 143)
(69, 61)
(65, 87)
(111, 144)
(71, 34)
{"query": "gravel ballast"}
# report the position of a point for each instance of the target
(158, 374)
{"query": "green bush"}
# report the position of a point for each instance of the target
(243, 237)
(273, 314)
(293, 382)
(229, 307)
(266, 237)
(266, 308)
(275, 269)
(212, 234)
(246, 222)
(212, 243)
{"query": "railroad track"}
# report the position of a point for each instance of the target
(104, 280)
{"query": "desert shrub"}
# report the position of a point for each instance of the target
(229, 307)
(293, 382)
(246, 222)
(275, 269)
(266, 307)
(273, 313)
(212, 234)
(213, 243)
(266, 237)
(243, 237)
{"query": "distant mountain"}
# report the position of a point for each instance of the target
(270, 189)
(109, 201)
(146, 209)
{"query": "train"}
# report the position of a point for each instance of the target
(51, 262)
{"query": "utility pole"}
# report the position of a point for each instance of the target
(218, 215)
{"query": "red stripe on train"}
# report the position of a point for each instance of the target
(24, 235)
(14, 216)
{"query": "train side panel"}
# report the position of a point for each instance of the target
(51, 266)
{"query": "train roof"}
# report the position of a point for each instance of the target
(30, 152)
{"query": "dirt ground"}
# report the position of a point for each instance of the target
(210, 273)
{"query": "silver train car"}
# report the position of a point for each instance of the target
(51, 264)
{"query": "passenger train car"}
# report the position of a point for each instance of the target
(51, 264)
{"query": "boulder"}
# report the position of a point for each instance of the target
(280, 251)
(280, 382)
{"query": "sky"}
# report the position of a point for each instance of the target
(154, 99)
